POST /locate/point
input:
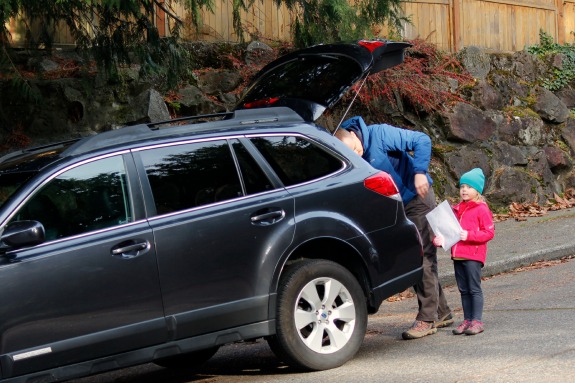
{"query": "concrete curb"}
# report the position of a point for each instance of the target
(496, 267)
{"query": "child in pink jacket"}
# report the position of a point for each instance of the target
(470, 252)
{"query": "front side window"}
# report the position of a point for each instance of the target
(191, 175)
(88, 197)
(295, 159)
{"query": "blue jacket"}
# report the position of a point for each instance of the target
(387, 148)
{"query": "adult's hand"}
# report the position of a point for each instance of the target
(421, 184)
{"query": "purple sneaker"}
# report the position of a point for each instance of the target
(476, 327)
(462, 327)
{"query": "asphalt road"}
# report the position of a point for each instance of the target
(529, 338)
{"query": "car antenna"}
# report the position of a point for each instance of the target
(349, 106)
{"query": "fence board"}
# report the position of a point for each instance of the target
(569, 21)
(430, 21)
(505, 25)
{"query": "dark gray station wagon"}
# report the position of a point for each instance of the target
(162, 242)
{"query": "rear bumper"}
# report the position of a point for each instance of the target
(392, 287)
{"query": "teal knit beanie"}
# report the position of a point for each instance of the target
(474, 178)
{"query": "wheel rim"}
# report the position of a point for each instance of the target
(325, 315)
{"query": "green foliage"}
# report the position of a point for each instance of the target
(112, 32)
(18, 87)
(558, 77)
(324, 21)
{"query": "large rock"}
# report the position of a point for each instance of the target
(540, 170)
(258, 54)
(512, 184)
(476, 61)
(149, 106)
(526, 66)
(517, 65)
(486, 96)
(557, 159)
(549, 106)
(469, 124)
(192, 101)
(567, 96)
(508, 155)
(568, 133)
(217, 82)
(526, 130)
(512, 91)
(465, 158)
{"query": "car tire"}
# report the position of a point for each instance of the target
(321, 316)
(188, 360)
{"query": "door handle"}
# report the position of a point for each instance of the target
(131, 249)
(268, 218)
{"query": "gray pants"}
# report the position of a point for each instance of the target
(430, 297)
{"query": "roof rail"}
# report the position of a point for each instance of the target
(106, 138)
(34, 149)
(149, 130)
(226, 115)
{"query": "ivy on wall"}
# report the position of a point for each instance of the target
(558, 76)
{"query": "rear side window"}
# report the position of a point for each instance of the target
(186, 176)
(296, 160)
(88, 197)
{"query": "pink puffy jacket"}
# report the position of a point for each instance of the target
(476, 218)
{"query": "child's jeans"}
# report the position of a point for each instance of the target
(468, 277)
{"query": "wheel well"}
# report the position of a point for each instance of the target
(337, 251)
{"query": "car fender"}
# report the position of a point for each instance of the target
(326, 226)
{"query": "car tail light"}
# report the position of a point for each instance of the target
(383, 184)
(371, 45)
(261, 103)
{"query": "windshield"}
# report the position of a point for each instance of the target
(11, 182)
(18, 167)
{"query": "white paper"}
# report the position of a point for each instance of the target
(443, 222)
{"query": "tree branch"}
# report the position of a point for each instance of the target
(162, 6)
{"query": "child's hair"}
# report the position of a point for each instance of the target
(481, 198)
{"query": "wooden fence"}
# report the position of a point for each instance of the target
(502, 25)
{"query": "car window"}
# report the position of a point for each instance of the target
(253, 176)
(10, 183)
(191, 175)
(88, 197)
(296, 160)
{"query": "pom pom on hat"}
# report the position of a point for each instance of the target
(474, 178)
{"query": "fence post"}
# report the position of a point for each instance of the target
(456, 27)
(560, 22)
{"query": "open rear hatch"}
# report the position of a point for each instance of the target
(313, 79)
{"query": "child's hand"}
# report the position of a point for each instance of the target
(463, 235)
(438, 240)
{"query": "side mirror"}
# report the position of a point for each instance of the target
(22, 233)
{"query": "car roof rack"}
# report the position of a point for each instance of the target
(223, 116)
(35, 149)
(227, 120)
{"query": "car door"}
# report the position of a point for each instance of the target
(91, 289)
(219, 236)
